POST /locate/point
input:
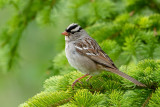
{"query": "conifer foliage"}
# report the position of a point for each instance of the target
(103, 90)
(25, 12)
(127, 30)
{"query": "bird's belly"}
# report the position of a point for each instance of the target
(81, 63)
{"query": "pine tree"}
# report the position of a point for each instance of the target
(127, 30)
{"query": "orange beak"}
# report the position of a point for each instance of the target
(65, 33)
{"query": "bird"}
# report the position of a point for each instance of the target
(84, 54)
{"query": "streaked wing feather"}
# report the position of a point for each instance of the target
(91, 49)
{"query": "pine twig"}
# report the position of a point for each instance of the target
(131, 13)
(147, 100)
(155, 31)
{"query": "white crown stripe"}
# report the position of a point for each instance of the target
(75, 29)
(71, 25)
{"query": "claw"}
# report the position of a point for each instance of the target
(88, 78)
(80, 82)
(77, 80)
(74, 83)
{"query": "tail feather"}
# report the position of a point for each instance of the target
(116, 71)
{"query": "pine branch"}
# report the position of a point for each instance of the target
(20, 22)
(147, 100)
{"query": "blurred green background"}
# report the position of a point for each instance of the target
(38, 46)
(30, 38)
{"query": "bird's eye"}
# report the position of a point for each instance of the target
(73, 32)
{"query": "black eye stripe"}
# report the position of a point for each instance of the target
(70, 28)
(79, 29)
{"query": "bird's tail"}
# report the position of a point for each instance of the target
(116, 71)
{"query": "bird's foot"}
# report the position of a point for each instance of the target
(77, 80)
(74, 83)
(88, 78)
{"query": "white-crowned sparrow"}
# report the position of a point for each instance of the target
(84, 54)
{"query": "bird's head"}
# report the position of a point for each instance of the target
(73, 31)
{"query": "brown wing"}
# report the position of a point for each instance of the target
(91, 49)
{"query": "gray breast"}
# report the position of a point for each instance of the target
(81, 63)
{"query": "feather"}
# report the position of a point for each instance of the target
(116, 71)
(94, 52)
(90, 48)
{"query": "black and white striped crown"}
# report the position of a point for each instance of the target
(74, 27)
